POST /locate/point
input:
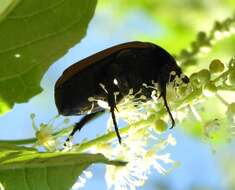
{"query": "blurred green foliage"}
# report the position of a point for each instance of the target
(180, 21)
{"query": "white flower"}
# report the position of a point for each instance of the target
(140, 162)
(125, 177)
(153, 160)
(129, 176)
(171, 140)
(81, 181)
(135, 150)
(45, 137)
(45, 134)
(211, 127)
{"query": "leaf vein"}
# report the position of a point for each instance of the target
(43, 38)
(57, 4)
(64, 29)
(25, 178)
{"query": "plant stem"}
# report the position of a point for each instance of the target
(223, 75)
(19, 142)
(124, 131)
(33, 140)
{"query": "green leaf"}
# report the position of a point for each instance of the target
(34, 34)
(24, 168)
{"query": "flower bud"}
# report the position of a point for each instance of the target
(216, 66)
(209, 89)
(194, 79)
(160, 126)
(204, 75)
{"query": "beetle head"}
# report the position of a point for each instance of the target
(170, 72)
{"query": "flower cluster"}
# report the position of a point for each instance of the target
(213, 86)
(140, 162)
(144, 142)
(204, 41)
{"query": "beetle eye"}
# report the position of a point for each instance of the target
(184, 78)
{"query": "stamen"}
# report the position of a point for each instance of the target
(115, 81)
(103, 104)
(103, 87)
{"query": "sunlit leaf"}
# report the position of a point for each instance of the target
(33, 34)
(25, 168)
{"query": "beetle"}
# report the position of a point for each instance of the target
(116, 69)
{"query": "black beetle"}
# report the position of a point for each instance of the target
(116, 69)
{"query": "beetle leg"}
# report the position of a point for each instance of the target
(112, 105)
(163, 95)
(85, 119)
